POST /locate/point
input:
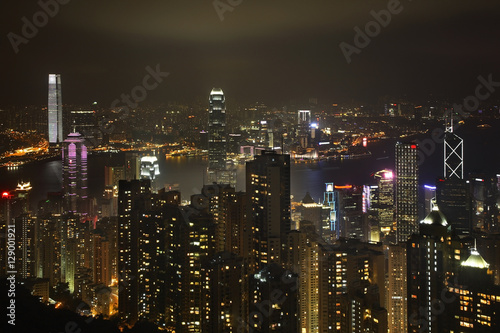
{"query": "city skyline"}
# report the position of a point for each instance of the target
(249, 166)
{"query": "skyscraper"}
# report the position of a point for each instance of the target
(150, 169)
(331, 200)
(433, 255)
(268, 188)
(454, 199)
(475, 299)
(132, 203)
(452, 194)
(384, 203)
(74, 157)
(406, 190)
(396, 289)
(216, 134)
(453, 154)
(55, 113)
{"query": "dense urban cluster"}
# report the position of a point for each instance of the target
(390, 255)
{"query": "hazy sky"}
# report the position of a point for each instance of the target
(262, 50)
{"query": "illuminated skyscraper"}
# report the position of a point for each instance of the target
(331, 200)
(475, 299)
(216, 135)
(433, 255)
(384, 203)
(84, 122)
(406, 190)
(74, 157)
(132, 204)
(452, 193)
(454, 200)
(150, 169)
(55, 112)
(268, 188)
(396, 289)
(453, 154)
(304, 116)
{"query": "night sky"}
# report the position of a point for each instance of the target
(265, 50)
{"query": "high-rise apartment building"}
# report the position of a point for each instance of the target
(55, 111)
(396, 289)
(406, 190)
(268, 188)
(132, 202)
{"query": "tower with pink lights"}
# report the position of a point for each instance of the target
(74, 159)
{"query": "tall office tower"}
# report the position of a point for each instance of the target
(55, 112)
(429, 198)
(84, 122)
(312, 211)
(216, 135)
(268, 188)
(132, 203)
(453, 154)
(229, 289)
(353, 221)
(432, 257)
(396, 289)
(20, 202)
(454, 200)
(474, 303)
(384, 203)
(75, 187)
(150, 169)
(406, 190)
(304, 117)
(331, 200)
(485, 199)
